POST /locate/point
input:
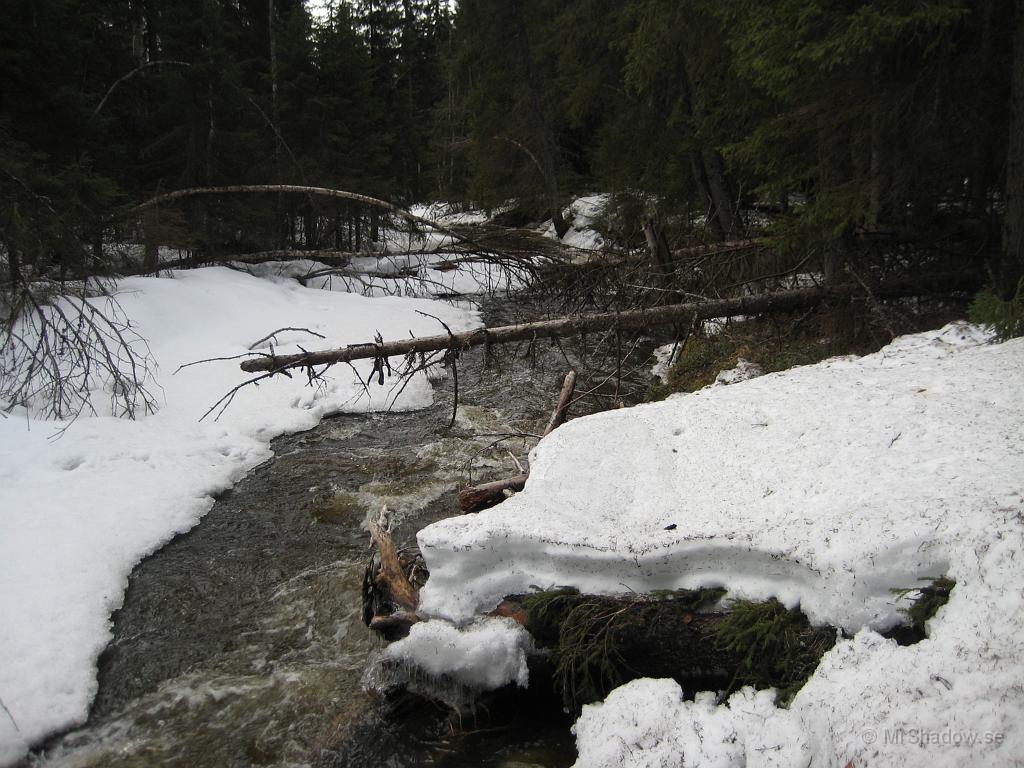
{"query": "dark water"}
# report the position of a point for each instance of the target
(241, 643)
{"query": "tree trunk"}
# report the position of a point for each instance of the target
(151, 246)
(700, 179)
(661, 256)
(1011, 270)
(876, 170)
(723, 201)
(548, 147)
(721, 193)
(600, 642)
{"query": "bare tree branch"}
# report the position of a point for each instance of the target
(133, 73)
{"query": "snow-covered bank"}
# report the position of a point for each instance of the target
(76, 514)
(828, 486)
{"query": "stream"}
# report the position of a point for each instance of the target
(241, 643)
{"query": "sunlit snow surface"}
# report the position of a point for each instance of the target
(77, 513)
(828, 486)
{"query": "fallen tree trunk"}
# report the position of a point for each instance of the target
(726, 246)
(781, 301)
(599, 642)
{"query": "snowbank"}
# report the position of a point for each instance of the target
(828, 486)
(76, 514)
(581, 214)
(486, 655)
(647, 724)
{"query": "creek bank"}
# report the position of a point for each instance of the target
(241, 643)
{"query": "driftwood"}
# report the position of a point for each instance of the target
(477, 497)
(781, 301)
(391, 573)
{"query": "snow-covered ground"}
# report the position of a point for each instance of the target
(77, 513)
(826, 486)
(421, 275)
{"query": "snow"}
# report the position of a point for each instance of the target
(391, 275)
(486, 655)
(581, 215)
(80, 511)
(448, 215)
(646, 724)
(664, 357)
(743, 370)
(826, 486)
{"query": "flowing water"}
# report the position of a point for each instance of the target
(241, 642)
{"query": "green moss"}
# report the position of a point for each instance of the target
(582, 632)
(690, 599)
(703, 358)
(778, 646)
(599, 642)
(927, 601)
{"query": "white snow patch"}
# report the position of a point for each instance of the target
(411, 275)
(483, 656)
(646, 724)
(664, 357)
(78, 513)
(743, 370)
(581, 214)
(448, 215)
(825, 486)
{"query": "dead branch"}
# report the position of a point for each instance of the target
(273, 334)
(477, 497)
(562, 409)
(392, 574)
(133, 73)
(728, 246)
(58, 353)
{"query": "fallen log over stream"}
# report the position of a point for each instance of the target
(781, 301)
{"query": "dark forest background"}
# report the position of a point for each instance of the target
(845, 120)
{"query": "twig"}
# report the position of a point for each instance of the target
(273, 335)
(137, 70)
